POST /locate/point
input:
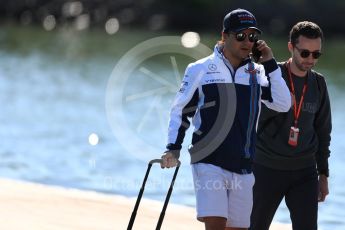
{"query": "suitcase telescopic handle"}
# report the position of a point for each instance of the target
(160, 160)
(161, 217)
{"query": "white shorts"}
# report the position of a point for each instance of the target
(223, 193)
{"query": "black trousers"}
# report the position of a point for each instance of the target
(300, 189)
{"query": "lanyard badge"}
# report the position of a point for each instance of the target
(293, 136)
(294, 130)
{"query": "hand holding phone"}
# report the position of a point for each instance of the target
(256, 54)
(261, 52)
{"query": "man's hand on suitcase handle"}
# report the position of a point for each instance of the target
(169, 159)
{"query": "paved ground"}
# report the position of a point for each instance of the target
(28, 206)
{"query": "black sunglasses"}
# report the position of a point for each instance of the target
(252, 37)
(306, 53)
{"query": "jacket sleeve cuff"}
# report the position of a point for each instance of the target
(174, 149)
(324, 172)
(270, 65)
(323, 169)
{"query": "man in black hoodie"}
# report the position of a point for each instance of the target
(292, 148)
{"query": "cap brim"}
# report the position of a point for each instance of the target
(252, 27)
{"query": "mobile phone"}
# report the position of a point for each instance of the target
(256, 54)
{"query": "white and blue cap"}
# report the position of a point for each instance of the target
(238, 20)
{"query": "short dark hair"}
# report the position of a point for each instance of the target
(307, 29)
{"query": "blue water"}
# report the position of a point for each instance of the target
(49, 107)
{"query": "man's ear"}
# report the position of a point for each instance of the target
(224, 36)
(290, 47)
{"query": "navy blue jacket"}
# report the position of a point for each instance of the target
(225, 104)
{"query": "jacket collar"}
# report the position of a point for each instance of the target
(218, 51)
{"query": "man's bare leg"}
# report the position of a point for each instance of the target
(214, 223)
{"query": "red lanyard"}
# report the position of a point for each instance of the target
(296, 110)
